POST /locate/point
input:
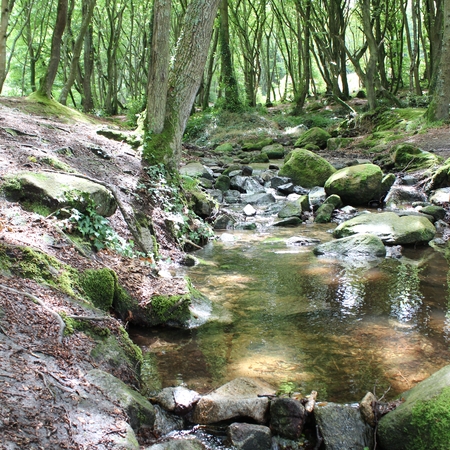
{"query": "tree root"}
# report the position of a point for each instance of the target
(58, 318)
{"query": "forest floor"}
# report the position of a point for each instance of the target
(42, 381)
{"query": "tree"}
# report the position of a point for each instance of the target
(47, 81)
(7, 6)
(183, 84)
(439, 106)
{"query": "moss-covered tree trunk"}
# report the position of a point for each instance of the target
(48, 79)
(184, 82)
(6, 7)
(439, 106)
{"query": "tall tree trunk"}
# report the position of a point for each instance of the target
(210, 70)
(184, 81)
(47, 81)
(87, 100)
(158, 77)
(229, 83)
(87, 16)
(7, 6)
(439, 106)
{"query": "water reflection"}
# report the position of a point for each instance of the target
(338, 327)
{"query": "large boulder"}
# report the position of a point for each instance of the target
(389, 227)
(342, 427)
(287, 417)
(315, 136)
(244, 436)
(356, 185)
(56, 190)
(306, 168)
(422, 420)
(410, 157)
(239, 398)
(359, 245)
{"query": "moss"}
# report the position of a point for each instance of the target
(431, 422)
(36, 207)
(157, 148)
(99, 285)
(131, 349)
(171, 307)
(56, 164)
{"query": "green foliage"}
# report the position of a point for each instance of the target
(197, 126)
(96, 229)
(287, 388)
(56, 164)
(431, 422)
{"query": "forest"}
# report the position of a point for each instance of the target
(170, 58)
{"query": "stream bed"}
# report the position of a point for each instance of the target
(303, 322)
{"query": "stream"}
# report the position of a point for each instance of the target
(303, 322)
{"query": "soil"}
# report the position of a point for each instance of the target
(42, 380)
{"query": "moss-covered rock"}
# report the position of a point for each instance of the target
(359, 245)
(325, 211)
(274, 151)
(56, 190)
(224, 148)
(306, 168)
(99, 285)
(294, 208)
(315, 136)
(223, 183)
(356, 185)
(441, 177)
(410, 157)
(389, 227)
(422, 420)
(256, 145)
(337, 143)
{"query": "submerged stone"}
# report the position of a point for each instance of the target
(359, 245)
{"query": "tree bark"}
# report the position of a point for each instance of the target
(87, 16)
(184, 81)
(47, 81)
(158, 77)
(7, 6)
(439, 106)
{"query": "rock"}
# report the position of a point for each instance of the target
(223, 183)
(437, 212)
(224, 148)
(249, 210)
(291, 209)
(247, 171)
(232, 197)
(356, 185)
(258, 199)
(441, 196)
(366, 408)
(334, 144)
(410, 157)
(197, 170)
(359, 245)
(166, 422)
(301, 241)
(403, 197)
(273, 151)
(440, 178)
(286, 189)
(289, 222)
(184, 443)
(297, 131)
(306, 168)
(223, 222)
(325, 211)
(343, 428)
(287, 417)
(55, 191)
(253, 186)
(139, 410)
(389, 227)
(202, 204)
(387, 182)
(244, 436)
(316, 197)
(215, 194)
(315, 136)
(277, 181)
(236, 399)
(238, 183)
(422, 420)
(256, 145)
(177, 399)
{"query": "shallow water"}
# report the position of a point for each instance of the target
(303, 322)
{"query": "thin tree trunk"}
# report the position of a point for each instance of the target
(47, 81)
(7, 6)
(87, 16)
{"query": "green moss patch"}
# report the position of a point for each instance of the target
(99, 286)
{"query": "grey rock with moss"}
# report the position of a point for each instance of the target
(258, 199)
(177, 399)
(288, 222)
(325, 211)
(422, 418)
(342, 427)
(245, 436)
(401, 196)
(197, 170)
(256, 144)
(389, 227)
(315, 136)
(239, 398)
(287, 417)
(334, 144)
(356, 185)
(440, 178)
(274, 151)
(223, 183)
(410, 157)
(440, 196)
(307, 169)
(224, 148)
(184, 443)
(293, 208)
(55, 191)
(140, 411)
(359, 245)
